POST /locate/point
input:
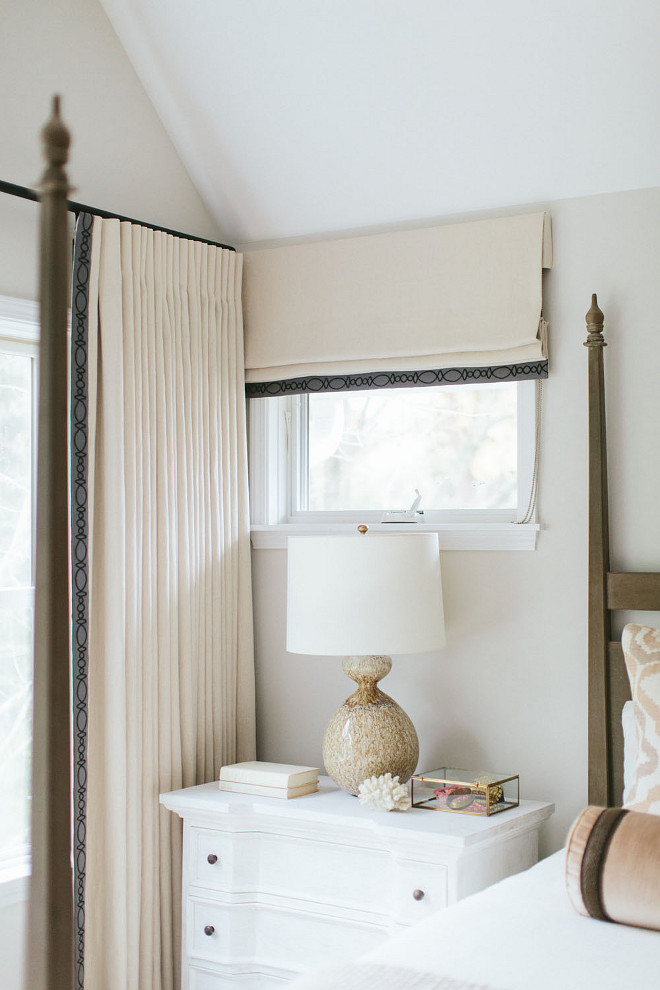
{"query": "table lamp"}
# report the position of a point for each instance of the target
(365, 596)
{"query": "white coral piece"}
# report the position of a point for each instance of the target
(384, 793)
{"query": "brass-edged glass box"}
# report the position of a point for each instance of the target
(466, 792)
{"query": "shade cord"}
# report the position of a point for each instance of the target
(531, 505)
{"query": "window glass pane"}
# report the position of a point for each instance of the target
(371, 450)
(15, 470)
(16, 598)
(15, 727)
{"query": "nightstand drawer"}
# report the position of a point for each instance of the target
(287, 937)
(207, 979)
(212, 933)
(212, 855)
(331, 873)
(419, 890)
(292, 866)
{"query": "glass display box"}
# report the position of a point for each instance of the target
(465, 792)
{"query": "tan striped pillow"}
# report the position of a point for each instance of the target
(641, 649)
(613, 866)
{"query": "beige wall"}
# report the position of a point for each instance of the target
(121, 160)
(121, 157)
(510, 689)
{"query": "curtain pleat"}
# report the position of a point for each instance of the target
(170, 674)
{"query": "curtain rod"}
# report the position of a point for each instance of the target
(23, 192)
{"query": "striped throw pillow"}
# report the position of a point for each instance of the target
(613, 866)
(641, 649)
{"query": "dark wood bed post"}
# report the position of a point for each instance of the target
(609, 591)
(50, 928)
(599, 565)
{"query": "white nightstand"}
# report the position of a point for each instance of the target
(273, 887)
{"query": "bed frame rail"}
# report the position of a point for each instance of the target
(633, 590)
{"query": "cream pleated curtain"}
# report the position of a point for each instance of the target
(171, 683)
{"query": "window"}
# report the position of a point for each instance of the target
(18, 397)
(373, 450)
(329, 459)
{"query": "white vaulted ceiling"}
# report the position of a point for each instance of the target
(299, 117)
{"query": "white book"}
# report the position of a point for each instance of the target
(260, 790)
(269, 774)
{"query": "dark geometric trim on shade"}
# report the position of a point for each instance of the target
(397, 379)
(79, 574)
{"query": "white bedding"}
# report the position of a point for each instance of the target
(520, 934)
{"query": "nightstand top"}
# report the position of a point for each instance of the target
(330, 805)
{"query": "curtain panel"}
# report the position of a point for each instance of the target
(437, 305)
(162, 621)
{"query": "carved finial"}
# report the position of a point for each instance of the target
(595, 322)
(55, 141)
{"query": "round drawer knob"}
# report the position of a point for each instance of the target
(208, 929)
(211, 858)
(418, 894)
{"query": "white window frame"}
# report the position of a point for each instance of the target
(19, 333)
(276, 429)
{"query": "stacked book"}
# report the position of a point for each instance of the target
(280, 780)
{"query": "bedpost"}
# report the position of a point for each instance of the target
(599, 565)
(50, 928)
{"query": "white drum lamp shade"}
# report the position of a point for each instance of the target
(364, 597)
(364, 594)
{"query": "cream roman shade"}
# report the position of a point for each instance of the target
(460, 302)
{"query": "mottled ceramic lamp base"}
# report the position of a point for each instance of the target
(370, 734)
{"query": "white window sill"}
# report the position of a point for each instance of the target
(451, 536)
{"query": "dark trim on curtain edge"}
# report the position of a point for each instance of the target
(23, 192)
(398, 379)
(79, 574)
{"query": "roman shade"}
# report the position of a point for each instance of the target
(459, 302)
